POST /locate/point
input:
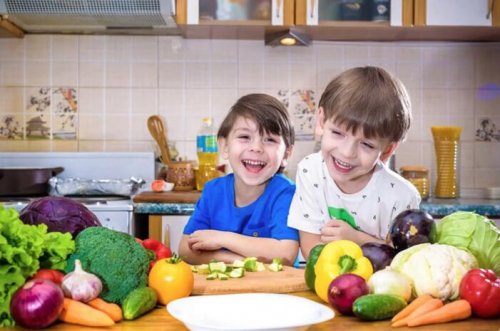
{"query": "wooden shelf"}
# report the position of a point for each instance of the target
(9, 29)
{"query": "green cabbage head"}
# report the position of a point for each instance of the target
(472, 232)
(435, 269)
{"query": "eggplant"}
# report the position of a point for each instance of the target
(412, 227)
(380, 255)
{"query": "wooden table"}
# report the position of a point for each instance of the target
(160, 320)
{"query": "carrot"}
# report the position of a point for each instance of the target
(426, 307)
(111, 309)
(453, 311)
(412, 306)
(76, 312)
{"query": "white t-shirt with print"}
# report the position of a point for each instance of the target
(317, 199)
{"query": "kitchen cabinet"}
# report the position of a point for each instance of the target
(457, 13)
(9, 29)
(309, 16)
(225, 19)
(172, 227)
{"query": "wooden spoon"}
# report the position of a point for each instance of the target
(157, 130)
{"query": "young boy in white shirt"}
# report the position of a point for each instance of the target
(346, 191)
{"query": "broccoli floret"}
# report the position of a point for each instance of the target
(116, 258)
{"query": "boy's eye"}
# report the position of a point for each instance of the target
(243, 136)
(368, 145)
(336, 132)
(269, 139)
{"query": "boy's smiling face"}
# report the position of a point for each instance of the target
(253, 158)
(350, 157)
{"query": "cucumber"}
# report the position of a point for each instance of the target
(374, 307)
(138, 302)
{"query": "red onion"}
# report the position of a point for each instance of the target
(37, 304)
(344, 289)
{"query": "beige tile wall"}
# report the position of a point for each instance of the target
(121, 80)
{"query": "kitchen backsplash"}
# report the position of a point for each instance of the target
(95, 93)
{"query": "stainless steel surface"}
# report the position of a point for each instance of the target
(85, 16)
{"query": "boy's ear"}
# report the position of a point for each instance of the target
(223, 148)
(288, 153)
(388, 151)
(320, 122)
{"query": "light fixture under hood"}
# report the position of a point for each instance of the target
(92, 16)
(289, 37)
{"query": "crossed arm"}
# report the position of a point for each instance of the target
(205, 245)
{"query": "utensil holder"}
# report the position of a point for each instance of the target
(447, 148)
(181, 173)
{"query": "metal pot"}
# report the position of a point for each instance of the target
(26, 181)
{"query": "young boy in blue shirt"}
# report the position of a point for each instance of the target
(244, 214)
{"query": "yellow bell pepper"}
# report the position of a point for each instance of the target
(337, 258)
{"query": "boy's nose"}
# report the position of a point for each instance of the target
(348, 150)
(256, 145)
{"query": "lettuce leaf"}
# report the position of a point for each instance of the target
(23, 249)
(474, 233)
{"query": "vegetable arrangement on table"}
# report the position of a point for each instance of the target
(431, 275)
(112, 276)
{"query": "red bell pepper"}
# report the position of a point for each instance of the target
(161, 251)
(481, 288)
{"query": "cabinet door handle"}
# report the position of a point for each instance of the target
(313, 4)
(279, 4)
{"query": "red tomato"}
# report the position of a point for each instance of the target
(49, 274)
(158, 185)
(481, 288)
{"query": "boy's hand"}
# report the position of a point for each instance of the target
(205, 240)
(337, 230)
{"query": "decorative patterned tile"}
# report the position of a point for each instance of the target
(64, 110)
(487, 131)
(11, 127)
(301, 105)
(37, 124)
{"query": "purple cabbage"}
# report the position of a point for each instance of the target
(60, 214)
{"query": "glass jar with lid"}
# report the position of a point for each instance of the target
(419, 177)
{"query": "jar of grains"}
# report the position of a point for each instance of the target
(419, 177)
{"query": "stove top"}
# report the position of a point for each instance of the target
(92, 202)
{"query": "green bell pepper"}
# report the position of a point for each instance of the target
(310, 274)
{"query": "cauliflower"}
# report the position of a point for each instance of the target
(435, 269)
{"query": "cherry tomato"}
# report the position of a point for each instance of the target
(171, 278)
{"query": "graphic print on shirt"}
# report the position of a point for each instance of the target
(342, 214)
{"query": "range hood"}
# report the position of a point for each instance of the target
(92, 16)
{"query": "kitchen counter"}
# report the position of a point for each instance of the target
(182, 203)
(149, 206)
(160, 320)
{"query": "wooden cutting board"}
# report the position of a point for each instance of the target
(287, 281)
(167, 197)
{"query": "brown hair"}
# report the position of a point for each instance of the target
(268, 112)
(370, 99)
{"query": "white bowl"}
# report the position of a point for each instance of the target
(248, 311)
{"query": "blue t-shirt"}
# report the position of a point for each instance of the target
(266, 217)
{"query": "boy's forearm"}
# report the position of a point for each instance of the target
(265, 249)
(194, 257)
(363, 238)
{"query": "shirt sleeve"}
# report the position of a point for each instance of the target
(279, 228)
(200, 219)
(305, 211)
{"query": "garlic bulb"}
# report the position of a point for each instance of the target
(80, 285)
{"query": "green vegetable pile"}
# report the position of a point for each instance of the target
(474, 233)
(116, 258)
(23, 250)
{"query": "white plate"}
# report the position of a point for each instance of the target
(248, 311)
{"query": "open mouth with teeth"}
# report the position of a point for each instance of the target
(341, 166)
(253, 166)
